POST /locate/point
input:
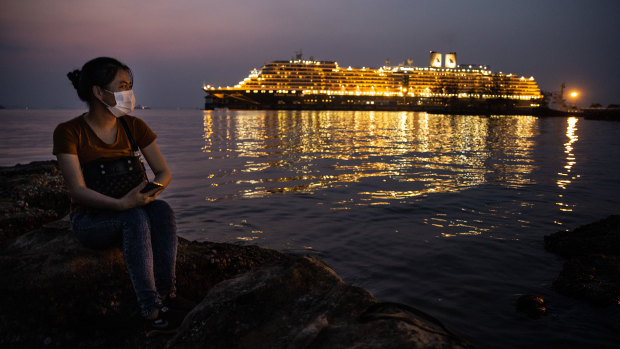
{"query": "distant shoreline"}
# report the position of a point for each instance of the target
(610, 114)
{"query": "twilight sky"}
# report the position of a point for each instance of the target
(175, 46)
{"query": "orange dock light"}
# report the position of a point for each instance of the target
(573, 96)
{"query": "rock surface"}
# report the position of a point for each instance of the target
(60, 294)
(592, 272)
(30, 195)
(301, 304)
(532, 305)
(57, 293)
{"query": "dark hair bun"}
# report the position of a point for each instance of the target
(96, 72)
(74, 76)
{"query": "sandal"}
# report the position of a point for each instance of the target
(166, 322)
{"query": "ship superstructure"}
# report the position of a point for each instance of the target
(311, 84)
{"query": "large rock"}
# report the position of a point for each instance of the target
(56, 291)
(592, 272)
(30, 195)
(303, 304)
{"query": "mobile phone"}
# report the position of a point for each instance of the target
(150, 186)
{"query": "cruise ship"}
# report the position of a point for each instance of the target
(310, 84)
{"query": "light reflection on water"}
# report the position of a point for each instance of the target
(418, 153)
(566, 177)
(379, 158)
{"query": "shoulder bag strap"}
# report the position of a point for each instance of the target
(134, 147)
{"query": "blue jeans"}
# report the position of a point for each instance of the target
(149, 240)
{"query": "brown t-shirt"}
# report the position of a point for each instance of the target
(76, 137)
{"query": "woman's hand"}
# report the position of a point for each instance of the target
(157, 163)
(135, 197)
(76, 187)
(79, 193)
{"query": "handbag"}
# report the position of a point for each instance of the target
(115, 177)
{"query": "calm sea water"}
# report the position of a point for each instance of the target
(444, 213)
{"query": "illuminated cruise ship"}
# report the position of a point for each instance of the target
(311, 84)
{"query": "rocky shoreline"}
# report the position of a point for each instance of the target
(592, 270)
(56, 293)
(30, 196)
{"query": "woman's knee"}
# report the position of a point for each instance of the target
(159, 207)
(162, 219)
(161, 212)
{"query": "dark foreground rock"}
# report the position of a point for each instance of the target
(301, 304)
(57, 294)
(55, 291)
(532, 305)
(592, 272)
(30, 195)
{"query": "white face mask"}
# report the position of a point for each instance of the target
(125, 102)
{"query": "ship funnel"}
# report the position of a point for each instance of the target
(450, 60)
(435, 59)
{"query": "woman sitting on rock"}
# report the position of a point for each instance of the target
(145, 226)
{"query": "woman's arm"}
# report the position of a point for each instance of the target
(156, 161)
(77, 190)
